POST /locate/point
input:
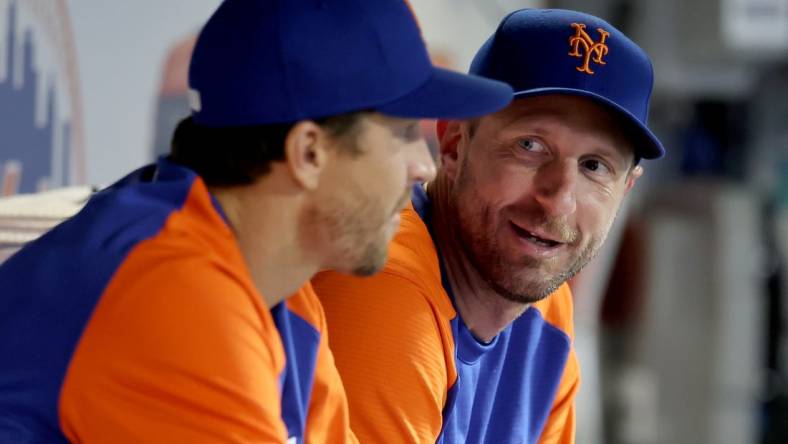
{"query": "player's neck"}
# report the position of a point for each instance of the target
(483, 311)
(265, 226)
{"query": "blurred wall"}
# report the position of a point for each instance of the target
(40, 115)
(121, 46)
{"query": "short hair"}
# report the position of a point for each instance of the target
(239, 155)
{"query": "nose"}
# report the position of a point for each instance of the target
(555, 187)
(421, 167)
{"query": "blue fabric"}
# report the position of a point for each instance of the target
(505, 389)
(279, 61)
(532, 50)
(51, 286)
(301, 342)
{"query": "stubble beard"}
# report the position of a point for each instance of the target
(358, 246)
(522, 281)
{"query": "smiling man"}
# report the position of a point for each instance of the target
(175, 307)
(466, 336)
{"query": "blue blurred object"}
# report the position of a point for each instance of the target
(25, 144)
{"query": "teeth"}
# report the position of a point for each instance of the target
(539, 240)
(534, 238)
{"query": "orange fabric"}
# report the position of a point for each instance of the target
(392, 340)
(185, 351)
(181, 348)
(328, 419)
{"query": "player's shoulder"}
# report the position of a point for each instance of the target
(412, 253)
(175, 270)
(413, 243)
(192, 258)
(557, 309)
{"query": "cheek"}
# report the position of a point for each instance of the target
(383, 179)
(595, 214)
(375, 168)
(497, 188)
(388, 163)
(479, 201)
(494, 181)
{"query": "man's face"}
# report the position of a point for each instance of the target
(362, 194)
(535, 190)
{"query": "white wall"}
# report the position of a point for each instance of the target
(120, 50)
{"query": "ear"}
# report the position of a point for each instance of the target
(450, 134)
(306, 153)
(632, 177)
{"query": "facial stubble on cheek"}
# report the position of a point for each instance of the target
(524, 279)
(376, 252)
(528, 280)
(364, 230)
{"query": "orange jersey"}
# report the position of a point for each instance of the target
(137, 321)
(414, 373)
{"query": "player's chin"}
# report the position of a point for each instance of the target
(372, 260)
(528, 291)
(369, 268)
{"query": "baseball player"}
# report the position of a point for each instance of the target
(175, 306)
(466, 335)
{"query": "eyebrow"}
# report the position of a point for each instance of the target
(620, 148)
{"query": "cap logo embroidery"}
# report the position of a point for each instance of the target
(590, 48)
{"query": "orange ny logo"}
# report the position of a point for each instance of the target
(590, 47)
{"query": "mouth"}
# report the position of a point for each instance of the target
(539, 240)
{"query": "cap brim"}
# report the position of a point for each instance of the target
(451, 95)
(649, 148)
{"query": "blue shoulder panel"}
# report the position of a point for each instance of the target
(301, 342)
(505, 389)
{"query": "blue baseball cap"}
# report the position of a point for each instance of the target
(554, 51)
(279, 61)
